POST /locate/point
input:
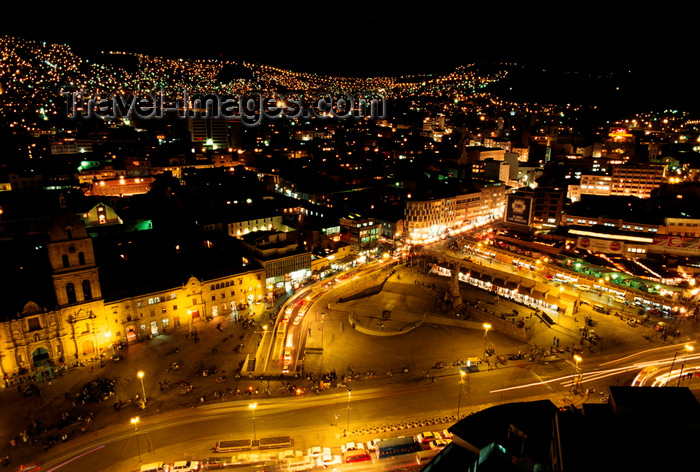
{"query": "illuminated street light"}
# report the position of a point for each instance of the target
(135, 422)
(577, 382)
(461, 381)
(143, 389)
(487, 327)
(688, 348)
(253, 406)
(348, 427)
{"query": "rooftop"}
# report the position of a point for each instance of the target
(640, 428)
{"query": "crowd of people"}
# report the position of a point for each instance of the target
(97, 390)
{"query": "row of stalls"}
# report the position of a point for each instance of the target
(523, 290)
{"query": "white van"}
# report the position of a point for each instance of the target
(155, 467)
(299, 464)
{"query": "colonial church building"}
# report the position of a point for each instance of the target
(70, 297)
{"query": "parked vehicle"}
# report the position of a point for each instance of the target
(357, 456)
(428, 436)
(601, 308)
(185, 466)
(315, 452)
(438, 443)
(275, 442)
(155, 467)
(327, 460)
(234, 445)
(422, 457)
(300, 464)
(397, 446)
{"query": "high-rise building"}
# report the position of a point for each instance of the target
(209, 133)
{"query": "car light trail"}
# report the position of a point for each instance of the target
(76, 457)
(647, 368)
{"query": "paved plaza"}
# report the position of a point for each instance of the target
(402, 330)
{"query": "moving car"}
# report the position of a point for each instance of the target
(30, 467)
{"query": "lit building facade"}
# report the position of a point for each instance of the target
(243, 227)
(429, 220)
(79, 322)
(209, 133)
(284, 263)
(624, 181)
(120, 187)
(364, 233)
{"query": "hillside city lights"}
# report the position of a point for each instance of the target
(250, 108)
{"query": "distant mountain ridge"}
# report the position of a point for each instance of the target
(33, 74)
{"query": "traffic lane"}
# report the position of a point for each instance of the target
(295, 322)
(410, 398)
(192, 433)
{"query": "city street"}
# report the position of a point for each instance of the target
(370, 411)
(185, 424)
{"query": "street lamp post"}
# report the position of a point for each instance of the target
(253, 406)
(461, 381)
(135, 422)
(688, 348)
(487, 326)
(670, 372)
(577, 382)
(143, 389)
(348, 426)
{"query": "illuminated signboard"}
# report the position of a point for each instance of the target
(519, 210)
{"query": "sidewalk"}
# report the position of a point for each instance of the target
(53, 410)
(207, 365)
(566, 336)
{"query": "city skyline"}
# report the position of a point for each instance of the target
(189, 213)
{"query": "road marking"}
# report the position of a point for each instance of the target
(76, 457)
(534, 374)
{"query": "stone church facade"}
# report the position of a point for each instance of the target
(84, 325)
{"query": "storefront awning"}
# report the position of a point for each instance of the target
(526, 286)
(568, 297)
(527, 283)
(540, 291)
(474, 274)
(500, 281)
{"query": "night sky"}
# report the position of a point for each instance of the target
(356, 40)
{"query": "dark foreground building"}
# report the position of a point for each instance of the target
(640, 428)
